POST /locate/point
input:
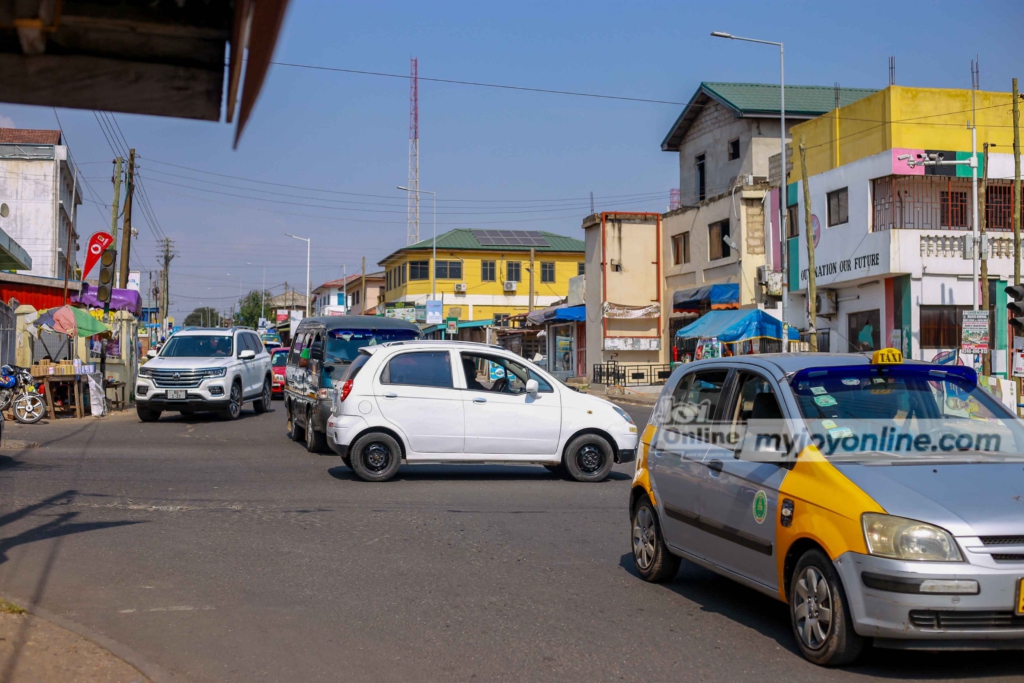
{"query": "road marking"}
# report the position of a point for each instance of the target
(174, 608)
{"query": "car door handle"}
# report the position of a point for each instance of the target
(390, 395)
(479, 400)
(715, 466)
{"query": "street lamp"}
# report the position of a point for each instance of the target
(307, 240)
(433, 268)
(782, 168)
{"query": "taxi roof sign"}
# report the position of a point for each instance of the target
(887, 357)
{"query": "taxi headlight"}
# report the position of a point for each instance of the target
(278, 377)
(908, 539)
(623, 414)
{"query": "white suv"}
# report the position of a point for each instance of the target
(443, 401)
(205, 369)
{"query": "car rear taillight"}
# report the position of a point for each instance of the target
(346, 389)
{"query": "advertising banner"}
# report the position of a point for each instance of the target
(98, 243)
(974, 338)
(135, 280)
(434, 314)
(401, 310)
(282, 316)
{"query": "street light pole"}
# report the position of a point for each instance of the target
(782, 182)
(433, 268)
(263, 294)
(308, 241)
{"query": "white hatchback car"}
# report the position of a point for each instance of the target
(444, 401)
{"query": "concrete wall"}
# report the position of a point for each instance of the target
(38, 192)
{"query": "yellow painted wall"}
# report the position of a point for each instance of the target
(903, 118)
(566, 267)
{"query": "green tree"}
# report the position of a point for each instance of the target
(250, 308)
(204, 316)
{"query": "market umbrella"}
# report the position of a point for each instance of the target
(74, 322)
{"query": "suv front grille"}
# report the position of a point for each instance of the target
(177, 379)
(965, 620)
(1002, 540)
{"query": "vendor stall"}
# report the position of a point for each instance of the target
(731, 333)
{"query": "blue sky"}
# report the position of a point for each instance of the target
(349, 133)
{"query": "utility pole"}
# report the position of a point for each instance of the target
(812, 287)
(113, 233)
(986, 363)
(362, 288)
(344, 286)
(531, 279)
(71, 231)
(126, 226)
(167, 248)
(1016, 184)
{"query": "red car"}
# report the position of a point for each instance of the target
(279, 361)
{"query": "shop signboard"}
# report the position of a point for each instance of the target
(402, 310)
(434, 314)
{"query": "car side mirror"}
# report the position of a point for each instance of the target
(152, 353)
(532, 387)
(247, 354)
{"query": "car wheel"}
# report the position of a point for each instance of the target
(295, 430)
(820, 613)
(233, 410)
(347, 460)
(652, 558)
(315, 441)
(262, 404)
(588, 458)
(375, 457)
(147, 415)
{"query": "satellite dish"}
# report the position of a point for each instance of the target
(5, 211)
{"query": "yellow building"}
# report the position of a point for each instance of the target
(484, 274)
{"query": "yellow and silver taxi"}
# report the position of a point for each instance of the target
(882, 500)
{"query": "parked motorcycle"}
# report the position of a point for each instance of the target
(18, 391)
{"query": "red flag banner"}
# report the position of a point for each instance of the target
(98, 243)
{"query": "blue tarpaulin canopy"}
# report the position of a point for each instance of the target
(561, 312)
(714, 297)
(737, 325)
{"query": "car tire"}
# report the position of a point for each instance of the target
(316, 441)
(375, 457)
(347, 461)
(295, 431)
(233, 410)
(147, 415)
(654, 562)
(262, 404)
(589, 458)
(820, 614)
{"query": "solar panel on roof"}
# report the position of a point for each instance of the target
(518, 238)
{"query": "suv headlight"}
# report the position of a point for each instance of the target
(908, 539)
(624, 415)
(145, 372)
(213, 372)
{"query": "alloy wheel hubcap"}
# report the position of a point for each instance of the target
(30, 408)
(589, 458)
(643, 538)
(236, 406)
(377, 456)
(812, 609)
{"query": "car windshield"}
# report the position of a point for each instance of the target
(279, 358)
(343, 344)
(198, 346)
(881, 413)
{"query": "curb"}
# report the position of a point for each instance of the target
(154, 672)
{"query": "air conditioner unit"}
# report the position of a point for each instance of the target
(510, 285)
(460, 287)
(762, 275)
(825, 302)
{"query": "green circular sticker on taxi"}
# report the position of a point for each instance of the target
(760, 506)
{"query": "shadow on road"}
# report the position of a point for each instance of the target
(204, 417)
(718, 595)
(57, 527)
(469, 473)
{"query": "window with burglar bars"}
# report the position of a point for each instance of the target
(937, 203)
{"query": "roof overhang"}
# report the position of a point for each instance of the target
(12, 255)
(141, 57)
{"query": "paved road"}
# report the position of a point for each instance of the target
(224, 552)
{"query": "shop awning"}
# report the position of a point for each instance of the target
(462, 324)
(562, 312)
(738, 325)
(715, 297)
(120, 299)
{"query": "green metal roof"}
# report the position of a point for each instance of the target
(464, 240)
(761, 100)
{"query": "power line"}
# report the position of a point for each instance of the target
(477, 84)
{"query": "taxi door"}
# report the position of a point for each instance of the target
(740, 483)
(677, 452)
